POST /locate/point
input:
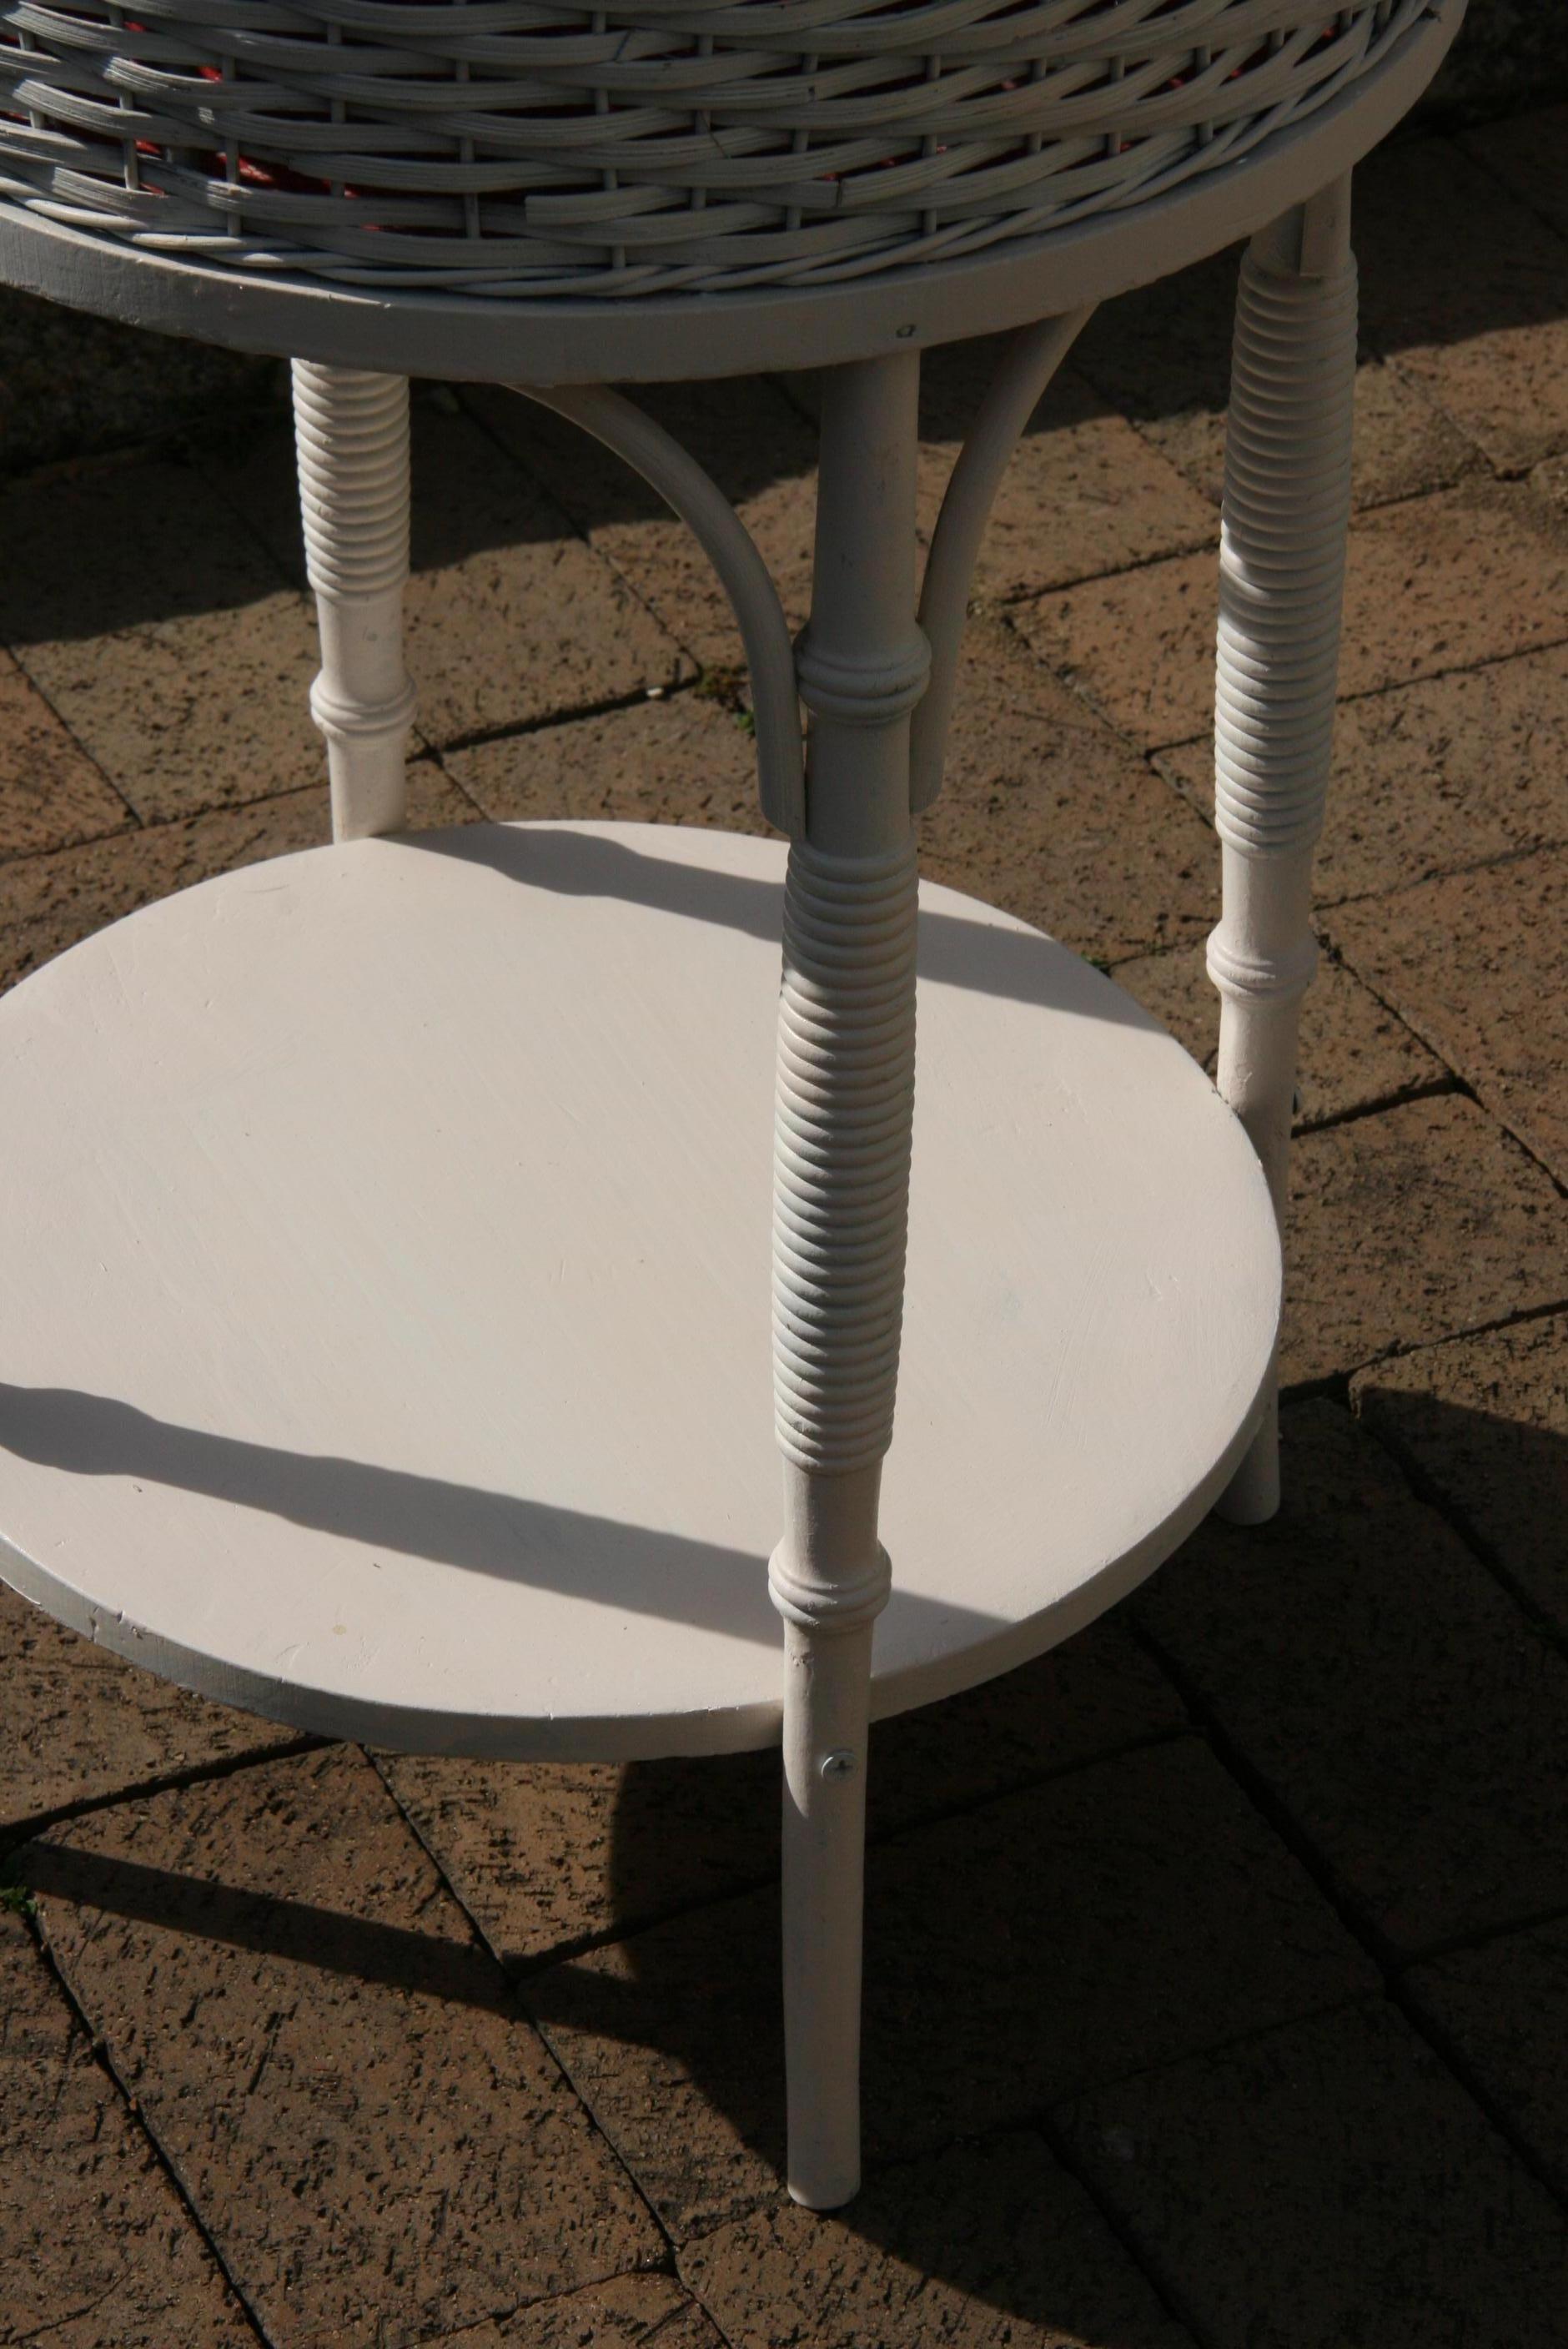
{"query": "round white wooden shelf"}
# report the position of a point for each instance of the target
(384, 1237)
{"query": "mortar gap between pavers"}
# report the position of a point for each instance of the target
(16, 1835)
(98, 2047)
(515, 728)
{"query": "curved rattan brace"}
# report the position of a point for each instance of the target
(713, 522)
(1015, 390)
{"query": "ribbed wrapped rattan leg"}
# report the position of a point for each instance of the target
(844, 1113)
(351, 432)
(1282, 576)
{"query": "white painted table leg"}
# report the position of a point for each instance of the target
(1282, 578)
(845, 1107)
(351, 432)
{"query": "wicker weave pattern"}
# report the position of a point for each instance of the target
(518, 147)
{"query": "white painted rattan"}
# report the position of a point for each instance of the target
(570, 1526)
(517, 148)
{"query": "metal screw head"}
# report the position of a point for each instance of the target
(840, 1764)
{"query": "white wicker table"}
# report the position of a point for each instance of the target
(383, 1229)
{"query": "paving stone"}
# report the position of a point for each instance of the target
(1405, 445)
(1163, 355)
(81, 1726)
(1529, 153)
(1407, 1226)
(682, 759)
(1474, 963)
(1482, 1423)
(48, 903)
(71, 384)
(548, 1857)
(1015, 1954)
(207, 711)
(1469, 574)
(1046, 814)
(1398, 1703)
(1502, 2008)
(1084, 495)
(1512, 56)
(162, 635)
(1329, 2183)
(1354, 1053)
(511, 618)
(256, 479)
(373, 2136)
(1549, 480)
(1095, 1696)
(96, 2247)
(1140, 646)
(622, 2315)
(992, 2247)
(1433, 777)
(1472, 303)
(51, 794)
(745, 434)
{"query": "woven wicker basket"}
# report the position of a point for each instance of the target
(516, 148)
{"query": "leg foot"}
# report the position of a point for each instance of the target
(844, 1110)
(826, 1687)
(1251, 1497)
(1281, 574)
(351, 433)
